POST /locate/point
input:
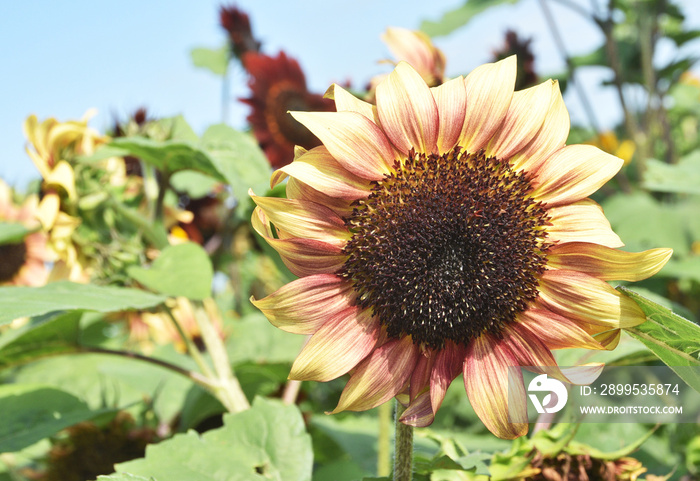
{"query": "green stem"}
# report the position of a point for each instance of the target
(403, 459)
(384, 441)
(231, 394)
(153, 232)
(192, 350)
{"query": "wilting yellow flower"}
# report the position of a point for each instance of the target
(52, 147)
(609, 142)
(23, 263)
(446, 231)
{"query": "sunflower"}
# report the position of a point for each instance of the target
(446, 231)
(23, 263)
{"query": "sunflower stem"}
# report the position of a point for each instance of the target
(384, 440)
(192, 350)
(403, 459)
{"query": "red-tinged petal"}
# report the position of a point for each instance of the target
(551, 137)
(606, 263)
(304, 257)
(308, 220)
(407, 110)
(524, 119)
(584, 298)
(420, 379)
(347, 102)
(338, 346)
(300, 191)
(304, 305)
(573, 173)
(487, 382)
(451, 101)
(379, 377)
(318, 169)
(449, 363)
(354, 140)
(489, 92)
(582, 221)
(555, 331)
(420, 412)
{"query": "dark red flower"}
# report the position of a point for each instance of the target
(237, 26)
(277, 86)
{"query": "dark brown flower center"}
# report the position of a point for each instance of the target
(285, 97)
(12, 258)
(447, 247)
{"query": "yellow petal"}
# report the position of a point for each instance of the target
(451, 101)
(582, 221)
(347, 102)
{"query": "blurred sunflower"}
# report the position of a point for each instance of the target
(23, 263)
(609, 142)
(446, 231)
(277, 86)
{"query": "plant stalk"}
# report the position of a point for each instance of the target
(403, 458)
(384, 440)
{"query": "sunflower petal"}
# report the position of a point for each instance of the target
(301, 191)
(573, 173)
(582, 221)
(420, 379)
(524, 119)
(407, 110)
(319, 169)
(354, 140)
(449, 363)
(379, 377)
(487, 382)
(584, 298)
(344, 340)
(489, 93)
(420, 412)
(555, 331)
(304, 305)
(347, 102)
(606, 263)
(451, 101)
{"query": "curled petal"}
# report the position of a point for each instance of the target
(487, 380)
(380, 376)
(551, 137)
(338, 346)
(420, 412)
(420, 379)
(524, 118)
(606, 263)
(318, 169)
(555, 331)
(586, 299)
(301, 191)
(354, 140)
(298, 218)
(451, 101)
(582, 221)
(347, 102)
(449, 363)
(573, 173)
(407, 110)
(304, 305)
(489, 92)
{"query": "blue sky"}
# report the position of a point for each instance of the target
(61, 58)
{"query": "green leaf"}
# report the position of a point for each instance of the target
(124, 477)
(31, 413)
(459, 17)
(12, 232)
(214, 60)
(267, 442)
(683, 177)
(18, 302)
(193, 183)
(675, 340)
(254, 339)
(49, 336)
(180, 270)
(239, 159)
(168, 155)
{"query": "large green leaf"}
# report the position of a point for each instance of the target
(33, 412)
(267, 442)
(239, 159)
(213, 59)
(125, 477)
(254, 339)
(18, 302)
(683, 177)
(675, 340)
(168, 155)
(48, 336)
(180, 270)
(12, 232)
(460, 16)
